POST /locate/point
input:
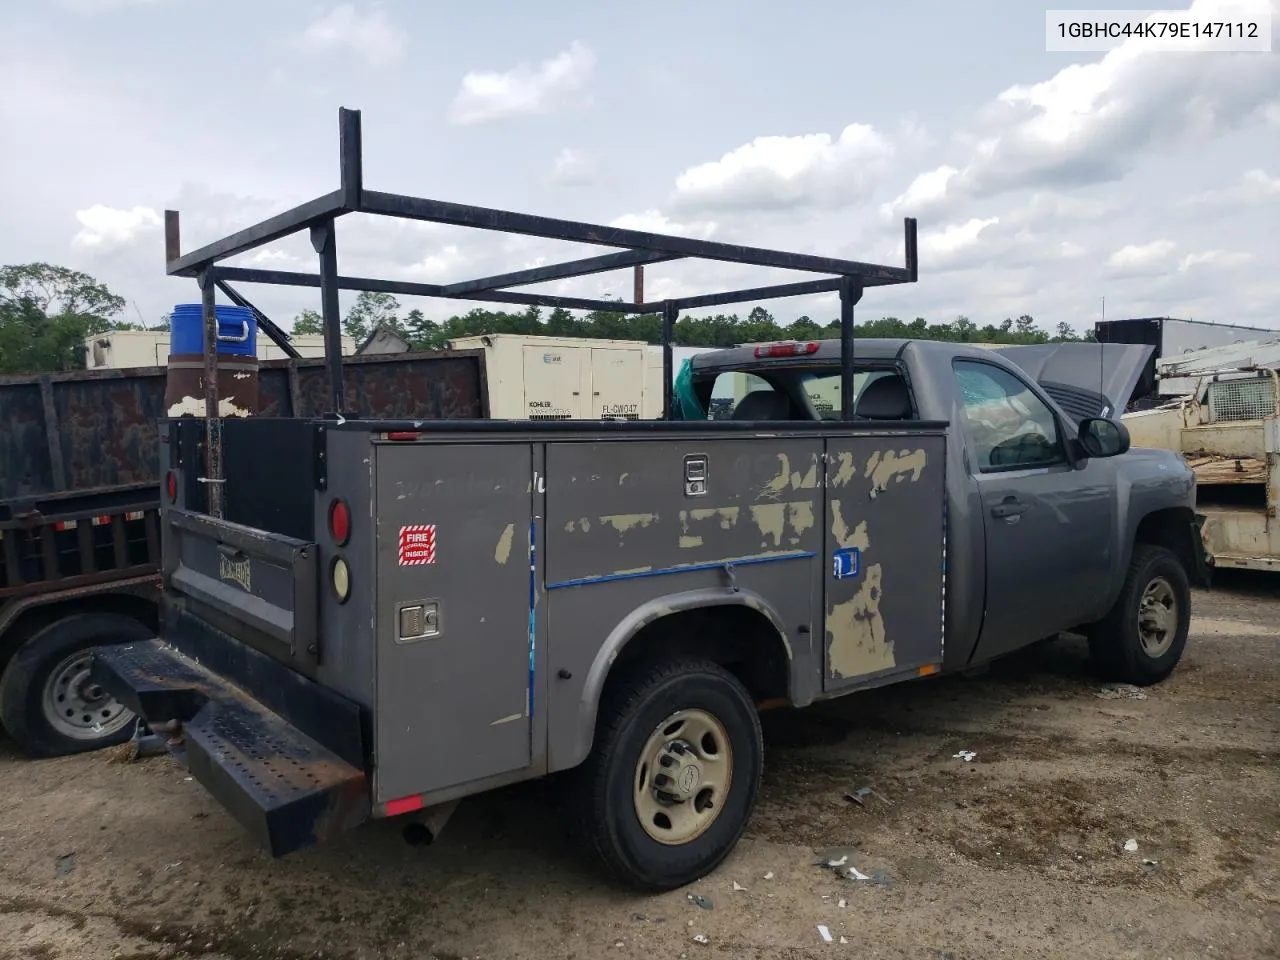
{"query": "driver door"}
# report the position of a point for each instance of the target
(1047, 525)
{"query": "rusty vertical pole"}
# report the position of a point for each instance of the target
(212, 424)
(637, 294)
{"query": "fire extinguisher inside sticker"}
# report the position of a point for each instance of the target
(417, 544)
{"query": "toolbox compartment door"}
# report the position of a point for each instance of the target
(455, 614)
(243, 577)
(883, 593)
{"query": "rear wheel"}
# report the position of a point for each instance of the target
(48, 703)
(1141, 639)
(674, 773)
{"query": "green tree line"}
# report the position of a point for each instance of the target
(373, 310)
(48, 311)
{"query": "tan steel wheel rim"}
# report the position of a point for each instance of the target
(683, 776)
(1157, 617)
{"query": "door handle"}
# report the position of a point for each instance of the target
(1009, 507)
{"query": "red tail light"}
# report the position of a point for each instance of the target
(787, 349)
(171, 486)
(339, 522)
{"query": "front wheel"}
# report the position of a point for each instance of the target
(48, 702)
(1142, 637)
(674, 773)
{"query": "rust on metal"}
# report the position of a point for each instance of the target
(237, 387)
(105, 421)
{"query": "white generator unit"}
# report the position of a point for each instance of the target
(561, 378)
(122, 349)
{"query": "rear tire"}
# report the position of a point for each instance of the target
(47, 703)
(1142, 637)
(673, 775)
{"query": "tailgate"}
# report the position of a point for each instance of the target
(240, 577)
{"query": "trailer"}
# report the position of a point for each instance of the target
(80, 541)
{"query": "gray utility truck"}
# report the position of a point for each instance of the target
(371, 618)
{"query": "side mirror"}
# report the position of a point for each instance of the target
(1101, 437)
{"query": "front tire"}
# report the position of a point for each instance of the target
(48, 704)
(674, 773)
(1142, 637)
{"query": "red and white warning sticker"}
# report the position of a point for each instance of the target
(417, 544)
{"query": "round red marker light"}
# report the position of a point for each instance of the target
(171, 486)
(339, 522)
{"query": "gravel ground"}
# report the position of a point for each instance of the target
(1019, 852)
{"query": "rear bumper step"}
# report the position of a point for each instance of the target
(280, 784)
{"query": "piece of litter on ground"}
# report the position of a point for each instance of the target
(769, 875)
(842, 904)
(824, 932)
(965, 755)
(1121, 691)
(700, 938)
(737, 887)
(64, 864)
(844, 940)
(1131, 846)
(698, 900)
(174, 865)
(619, 945)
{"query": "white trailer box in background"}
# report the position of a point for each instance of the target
(653, 375)
(122, 349)
(561, 378)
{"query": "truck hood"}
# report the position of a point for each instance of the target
(1086, 379)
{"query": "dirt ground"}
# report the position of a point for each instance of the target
(1019, 852)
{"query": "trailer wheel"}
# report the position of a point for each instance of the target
(674, 773)
(47, 702)
(1141, 639)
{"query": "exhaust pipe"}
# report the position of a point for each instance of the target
(423, 830)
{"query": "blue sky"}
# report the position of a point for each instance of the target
(1042, 181)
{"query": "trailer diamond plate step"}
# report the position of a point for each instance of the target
(285, 788)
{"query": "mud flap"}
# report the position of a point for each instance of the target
(286, 789)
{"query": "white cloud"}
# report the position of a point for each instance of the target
(776, 172)
(943, 244)
(104, 6)
(571, 168)
(107, 229)
(524, 90)
(927, 190)
(653, 221)
(1226, 259)
(1091, 123)
(1140, 259)
(1255, 186)
(369, 34)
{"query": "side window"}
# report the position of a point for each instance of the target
(1009, 427)
(728, 391)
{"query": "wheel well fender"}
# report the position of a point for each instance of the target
(758, 651)
(1177, 529)
(32, 614)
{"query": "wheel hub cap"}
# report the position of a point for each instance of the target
(682, 776)
(77, 707)
(1157, 617)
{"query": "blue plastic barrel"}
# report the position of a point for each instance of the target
(237, 331)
